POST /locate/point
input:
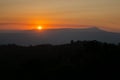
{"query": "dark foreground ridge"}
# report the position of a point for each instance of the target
(76, 60)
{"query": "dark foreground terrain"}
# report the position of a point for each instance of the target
(76, 60)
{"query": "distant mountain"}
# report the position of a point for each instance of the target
(57, 36)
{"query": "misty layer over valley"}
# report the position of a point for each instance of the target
(56, 36)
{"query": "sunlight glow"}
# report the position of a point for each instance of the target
(39, 27)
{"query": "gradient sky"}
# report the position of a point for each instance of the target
(26, 14)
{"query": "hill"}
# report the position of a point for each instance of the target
(57, 36)
(76, 60)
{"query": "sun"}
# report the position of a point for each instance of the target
(39, 27)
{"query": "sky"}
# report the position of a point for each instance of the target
(27, 14)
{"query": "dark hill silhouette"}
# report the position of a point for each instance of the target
(75, 60)
(57, 36)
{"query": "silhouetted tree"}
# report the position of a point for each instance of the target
(72, 41)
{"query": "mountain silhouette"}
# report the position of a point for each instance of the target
(57, 36)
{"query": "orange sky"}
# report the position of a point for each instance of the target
(28, 14)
